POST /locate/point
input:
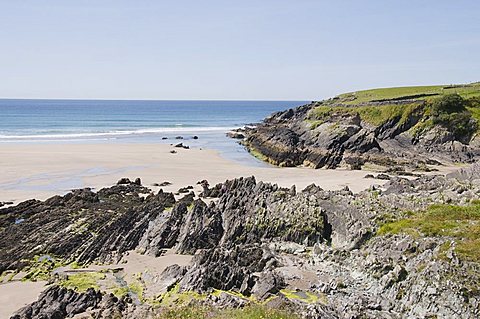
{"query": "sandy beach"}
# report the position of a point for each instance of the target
(43, 170)
(17, 294)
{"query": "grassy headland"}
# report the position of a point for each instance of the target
(452, 106)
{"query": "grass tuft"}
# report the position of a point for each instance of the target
(462, 223)
(248, 312)
(82, 281)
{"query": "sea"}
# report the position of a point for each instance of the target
(129, 121)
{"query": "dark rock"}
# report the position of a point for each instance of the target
(383, 176)
(170, 277)
(205, 185)
(123, 181)
(195, 137)
(236, 135)
(182, 146)
(185, 190)
(166, 183)
(179, 137)
(224, 269)
(267, 285)
(59, 303)
(355, 163)
(6, 203)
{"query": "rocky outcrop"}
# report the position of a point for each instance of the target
(315, 251)
(82, 225)
(340, 132)
(229, 269)
(59, 303)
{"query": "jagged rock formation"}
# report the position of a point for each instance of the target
(316, 251)
(382, 126)
(57, 302)
(82, 225)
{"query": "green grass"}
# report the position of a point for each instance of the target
(306, 297)
(375, 115)
(189, 305)
(462, 223)
(82, 281)
(466, 91)
(248, 312)
(424, 97)
(475, 111)
(41, 267)
(134, 287)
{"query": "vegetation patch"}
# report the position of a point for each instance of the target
(248, 312)
(175, 297)
(461, 223)
(41, 267)
(7, 275)
(258, 155)
(82, 281)
(450, 112)
(304, 296)
(467, 91)
(372, 114)
(456, 108)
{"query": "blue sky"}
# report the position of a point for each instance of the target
(296, 50)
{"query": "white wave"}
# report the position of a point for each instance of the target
(116, 133)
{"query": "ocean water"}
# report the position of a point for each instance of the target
(109, 121)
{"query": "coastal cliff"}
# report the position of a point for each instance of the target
(409, 250)
(406, 127)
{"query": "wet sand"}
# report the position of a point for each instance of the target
(43, 170)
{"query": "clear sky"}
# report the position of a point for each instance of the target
(262, 49)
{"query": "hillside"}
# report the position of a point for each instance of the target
(406, 127)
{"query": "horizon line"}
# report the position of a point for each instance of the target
(109, 99)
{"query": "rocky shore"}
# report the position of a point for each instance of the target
(247, 249)
(408, 128)
(310, 254)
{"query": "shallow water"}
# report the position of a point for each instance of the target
(108, 121)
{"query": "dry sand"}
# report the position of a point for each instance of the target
(17, 294)
(43, 170)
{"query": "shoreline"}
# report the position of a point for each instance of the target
(44, 170)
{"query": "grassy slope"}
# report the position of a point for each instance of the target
(460, 223)
(361, 102)
(466, 91)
